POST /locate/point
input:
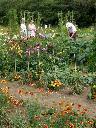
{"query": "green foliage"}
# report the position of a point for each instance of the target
(32, 109)
(26, 76)
(74, 119)
(92, 57)
(56, 58)
(3, 100)
(32, 115)
(83, 10)
(4, 105)
(51, 111)
(13, 21)
(90, 95)
(18, 120)
(5, 121)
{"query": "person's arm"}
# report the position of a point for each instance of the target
(34, 27)
(74, 31)
(73, 34)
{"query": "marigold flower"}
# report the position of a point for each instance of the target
(79, 105)
(63, 113)
(71, 125)
(3, 82)
(5, 90)
(21, 92)
(31, 93)
(85, 109)
(81, 122)
(45, 126)
(37, 117)
(90, 122)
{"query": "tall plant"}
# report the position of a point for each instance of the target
(13, 22)
(70, 16)
(38, 19)
(60, 19)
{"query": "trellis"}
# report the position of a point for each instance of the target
(28, 16)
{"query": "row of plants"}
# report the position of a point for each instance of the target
(45, 60)
(30, 114)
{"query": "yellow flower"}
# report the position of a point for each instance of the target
(53, 85)
(52, 82)
(3, 81)
(58, 85)
(5, 90)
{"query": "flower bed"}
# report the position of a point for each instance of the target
(34, 115)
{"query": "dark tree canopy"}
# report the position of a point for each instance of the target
(84, 10)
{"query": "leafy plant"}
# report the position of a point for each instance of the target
(13, 21)
(18, 120)
(33, 109)
(5, 121)
(3, 100)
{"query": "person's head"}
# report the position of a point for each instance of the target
(68, 25)
(31, 22)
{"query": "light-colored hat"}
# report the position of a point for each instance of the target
(69, 24)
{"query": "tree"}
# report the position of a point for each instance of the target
(84, 10)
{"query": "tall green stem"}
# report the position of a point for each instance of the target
(15, 64)
(28, 65)
(75, 63)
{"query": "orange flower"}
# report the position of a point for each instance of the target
(31, 93)
(21, 92)
(79, 106)
(3, 82)
(15, 102)
(82, 112)
(71, 125)
(90, 122)
(37, 117)
(40, 89)
(61, 102)
(69, 108)
(63, 112)
(81, 122)
(45, 126)
(56, 83)
(31, 84)
(85, 109)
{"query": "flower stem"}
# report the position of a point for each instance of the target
(15, 64)
(28, 66)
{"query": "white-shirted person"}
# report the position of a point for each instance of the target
(23, 29)
(71, 30)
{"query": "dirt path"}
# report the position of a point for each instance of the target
(52, 99)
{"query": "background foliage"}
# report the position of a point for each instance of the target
(84, 11)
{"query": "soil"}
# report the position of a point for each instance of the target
(49, 98)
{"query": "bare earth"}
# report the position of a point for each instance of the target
(52, 99)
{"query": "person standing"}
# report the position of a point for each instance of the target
(31, 29)
(71, 30)
(23, 29)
